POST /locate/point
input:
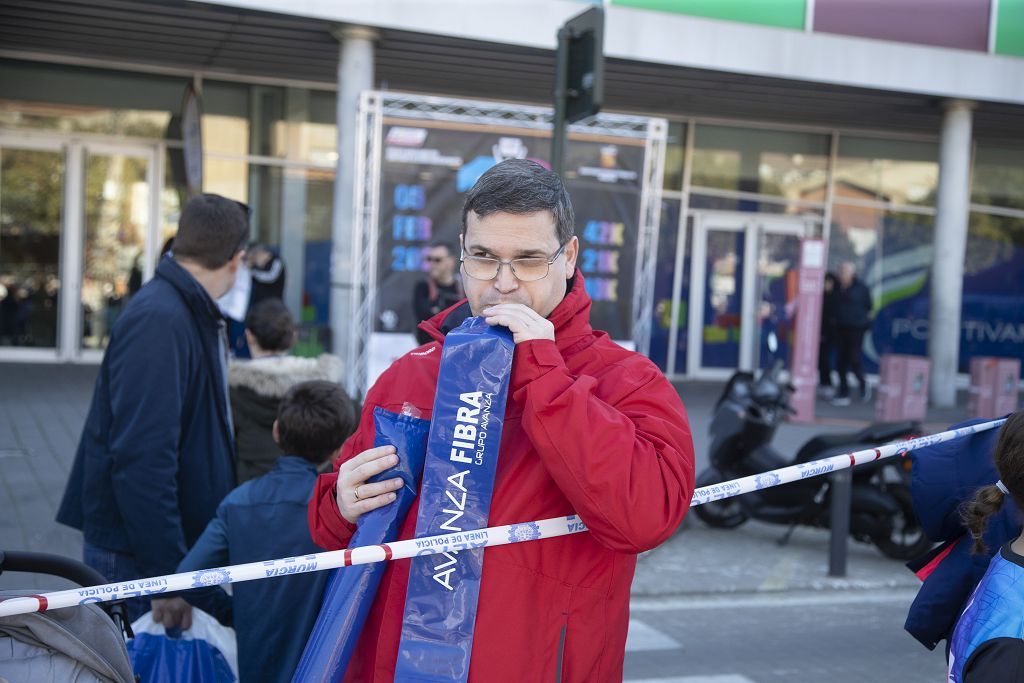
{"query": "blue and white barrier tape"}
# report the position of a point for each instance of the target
(449, 543)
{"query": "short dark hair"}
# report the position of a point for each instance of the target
(211, 230)
(272, 324)
(313, 419)
(442, 244)
(522, 186)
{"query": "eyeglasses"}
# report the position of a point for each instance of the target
(525, 269)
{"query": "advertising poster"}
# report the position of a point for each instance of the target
(426, 169)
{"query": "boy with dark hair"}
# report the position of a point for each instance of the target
(265, 519)
(269, 327)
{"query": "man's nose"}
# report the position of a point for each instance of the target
(506, 280)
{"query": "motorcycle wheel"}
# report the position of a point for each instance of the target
(720, 514)
(907, 540)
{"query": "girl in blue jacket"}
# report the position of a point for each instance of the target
(988, 642)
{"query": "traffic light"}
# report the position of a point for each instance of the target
(584, 45)
(579, 76)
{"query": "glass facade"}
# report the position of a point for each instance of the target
(775, 163)
(880, 200)
(31, 187)
(116, 215)
(887, 171)
(271, 147)
(106, 134)
(998, 177)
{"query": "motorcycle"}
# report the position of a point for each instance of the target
(746, 417)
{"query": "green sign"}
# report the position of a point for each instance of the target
(779, 13)
(1010, 28)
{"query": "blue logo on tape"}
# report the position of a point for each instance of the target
(523, 532)
(210, 577)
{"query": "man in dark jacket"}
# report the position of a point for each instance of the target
(157, 452)
(853, 318)
(440, 290)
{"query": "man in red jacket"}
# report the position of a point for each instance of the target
(590, 428)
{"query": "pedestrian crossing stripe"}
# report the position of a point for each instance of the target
(644, 638)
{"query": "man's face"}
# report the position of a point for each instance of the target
(846, 273)
(508, 236)
(440, 264)
(227, 274)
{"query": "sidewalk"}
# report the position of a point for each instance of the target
(44, 407)
(703, 561)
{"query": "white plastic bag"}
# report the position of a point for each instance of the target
(146, 649)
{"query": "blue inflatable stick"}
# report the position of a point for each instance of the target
(350, 591)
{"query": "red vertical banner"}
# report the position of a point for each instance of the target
(804, 362)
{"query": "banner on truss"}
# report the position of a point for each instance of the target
(420, 155)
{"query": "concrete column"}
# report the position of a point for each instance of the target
(950, 247)
(293, 201)
(355, 74)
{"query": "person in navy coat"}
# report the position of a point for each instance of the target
(157, 453)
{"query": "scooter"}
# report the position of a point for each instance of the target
(747, 415)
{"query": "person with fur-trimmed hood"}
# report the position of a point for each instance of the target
(257, 385)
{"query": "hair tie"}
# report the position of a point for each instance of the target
(1002, 487)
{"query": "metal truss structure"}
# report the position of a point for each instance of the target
(376, 106)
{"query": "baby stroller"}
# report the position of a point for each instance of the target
(78, 644)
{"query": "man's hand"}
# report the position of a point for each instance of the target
(524, 322)
(355, 497)
(172, 612)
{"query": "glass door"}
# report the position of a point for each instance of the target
(32, 180)
(118, 221)
(742, 290)
(78, 237)
(778, 266)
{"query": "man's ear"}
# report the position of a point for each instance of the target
(251, 340)
(572, 250)
(276, 433)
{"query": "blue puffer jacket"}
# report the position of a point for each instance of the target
(944, 477)
(156, 454)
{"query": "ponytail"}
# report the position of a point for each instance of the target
(975, 514)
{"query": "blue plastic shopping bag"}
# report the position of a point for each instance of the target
(205, 653)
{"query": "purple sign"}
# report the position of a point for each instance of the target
(961, 24)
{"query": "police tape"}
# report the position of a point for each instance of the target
(447, 544)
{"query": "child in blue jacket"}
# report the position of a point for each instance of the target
(265, 519)
(988, 642)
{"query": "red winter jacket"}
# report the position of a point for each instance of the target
(589, 428)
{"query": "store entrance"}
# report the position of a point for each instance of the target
(78, 237)
(743, 287)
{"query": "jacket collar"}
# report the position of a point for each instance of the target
(195, 297)
(293, 463)
(571, 317)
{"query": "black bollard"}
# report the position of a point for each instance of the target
(842, 484)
